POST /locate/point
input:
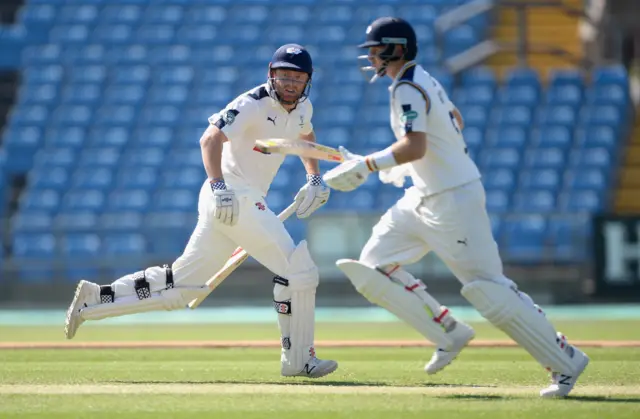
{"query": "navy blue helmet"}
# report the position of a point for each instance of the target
(389, 32)
(293, 57)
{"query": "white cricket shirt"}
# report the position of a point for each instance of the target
(252, 116)
(420, 104)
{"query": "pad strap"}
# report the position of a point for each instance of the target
(106, 294)
(169, 276)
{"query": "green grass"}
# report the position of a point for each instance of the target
(245, 383)
(94, 331)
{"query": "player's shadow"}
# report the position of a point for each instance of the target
(305, 382)
(487, 397)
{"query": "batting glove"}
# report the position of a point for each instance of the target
(313, 194)
(225, 203)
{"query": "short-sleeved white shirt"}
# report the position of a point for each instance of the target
(420, 104)
(251, 116)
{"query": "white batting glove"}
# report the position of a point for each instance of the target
(225, 203)
(350, 174)
(313, 194)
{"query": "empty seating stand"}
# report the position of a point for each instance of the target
(115, 95)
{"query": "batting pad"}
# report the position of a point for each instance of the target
(406, 305)
(171, 299)
(295, 301)
(506, 310)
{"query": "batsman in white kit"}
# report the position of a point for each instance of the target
(233, 212)
(444, 212)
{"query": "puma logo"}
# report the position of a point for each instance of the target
(463, 242)
(272, 120)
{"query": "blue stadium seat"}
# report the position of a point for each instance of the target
(137, 178)
(80, 246)
(64, 157)
(566, 77)
(498, 201)
(128, 200)
(123, 94)
(599, 136)
(123, 221)
(519, 116)
(558, 136)
(70, 34)
(508, 158)
(187, 178)
(121, 13)
(479, 76)
(121, 244)
(182, 199)
(535, 202)
(473, 136)
(524, 238)
(481, 95)
(610, 94)
(65, 137)
(603, 115)
(158, 137)
(504, 179)
(41, 200)
(78, 94)
(564, 95)
(587, 201)
(561, 115)
(41, 245)
(615, 74)
(546, 179)
(169, 14)
(100, 156)
(52, 178)
(508, 137)
(23, 222)
(76, 220)
(596, 157)
(38, 94)
(587, 179)
(107, 137)
(545, 158)
(87, 54)
(83, 200)
(143, 157)
(526, 95)
(522, 77)
(99, 178)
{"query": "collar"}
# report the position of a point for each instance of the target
(405, 67)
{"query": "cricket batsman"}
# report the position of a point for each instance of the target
(233, 212)
(443, 212)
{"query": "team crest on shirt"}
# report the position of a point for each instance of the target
(229, 117)
(408, 116)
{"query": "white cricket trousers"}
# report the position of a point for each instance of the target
(454, 224)
(258, 231)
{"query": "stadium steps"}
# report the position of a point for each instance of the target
(628, 193)
(9, 82)
(9, 10)
(547, 26)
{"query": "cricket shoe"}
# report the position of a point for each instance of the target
(87, 293)
(461, 334)
(562, 384)
(315, 368)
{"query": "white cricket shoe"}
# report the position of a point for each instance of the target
(461, 335)
(87, 293)
(562, 384)
(315, 368)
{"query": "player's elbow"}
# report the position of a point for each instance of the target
(212, 137)
(416, 145)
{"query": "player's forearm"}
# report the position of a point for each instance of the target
(310, 165)
(410, 148)
(211, 145)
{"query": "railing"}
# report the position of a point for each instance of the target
(522, 47)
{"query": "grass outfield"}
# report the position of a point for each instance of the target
(374, 382)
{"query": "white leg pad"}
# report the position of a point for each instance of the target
(295, 301)
(406, 305)
(170, 299)
(523, 322)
